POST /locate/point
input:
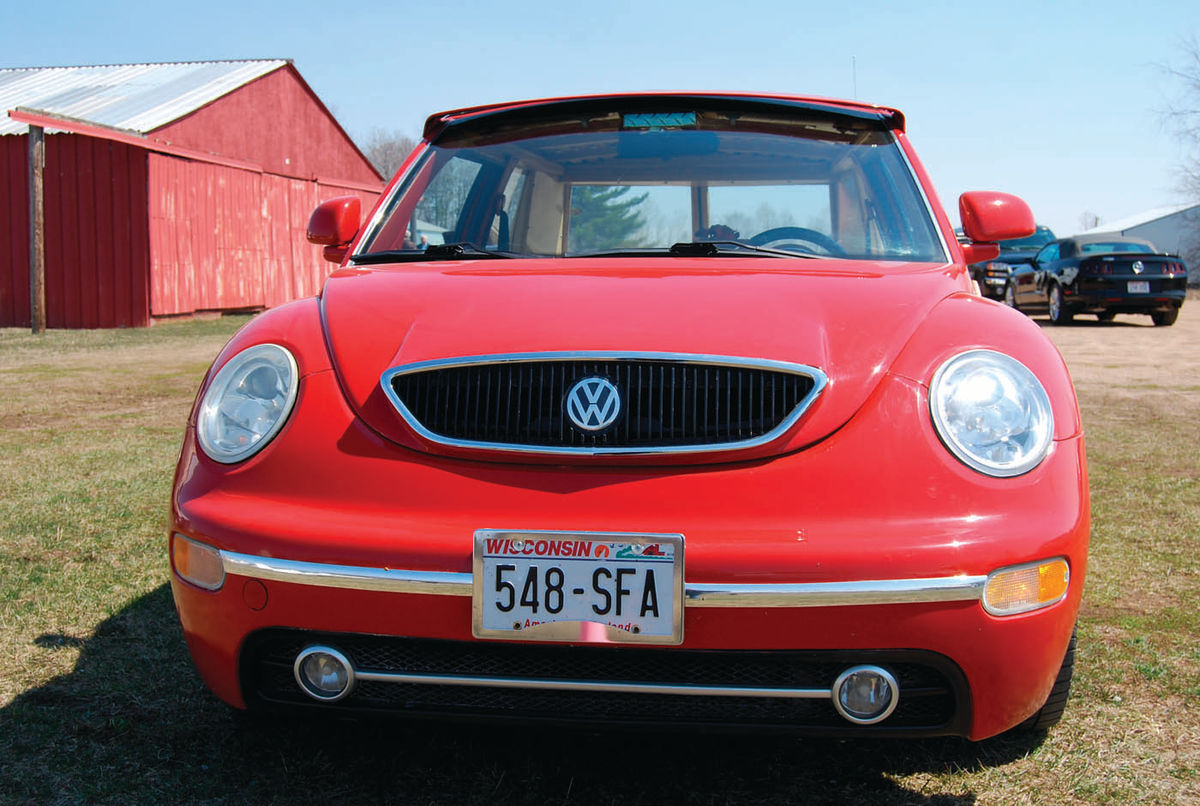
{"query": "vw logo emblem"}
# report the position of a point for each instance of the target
(1138, 267)
(593, 404)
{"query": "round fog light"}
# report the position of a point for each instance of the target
(324, 673)
(865, 694)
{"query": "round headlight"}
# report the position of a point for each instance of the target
(247, 403)
(992, 413)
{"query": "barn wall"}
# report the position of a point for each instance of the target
(96, 233)
(14, 231)
(277, 122)
(96, 236)
(204, 237)
(225, 238)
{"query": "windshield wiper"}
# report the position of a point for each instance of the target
(698, 249)
(726, 248)
(463, 250)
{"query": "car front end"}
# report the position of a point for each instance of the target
(784, 482)
(993, 276)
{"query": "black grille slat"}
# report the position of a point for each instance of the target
(664, 403)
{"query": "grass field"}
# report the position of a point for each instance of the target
(99, 701)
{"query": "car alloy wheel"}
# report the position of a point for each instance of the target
(1059, 314)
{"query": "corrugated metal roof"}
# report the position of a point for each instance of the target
(1129, 222)
(135, 97)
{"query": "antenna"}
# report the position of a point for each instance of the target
(854, 75)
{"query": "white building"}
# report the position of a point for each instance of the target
(1174, 229)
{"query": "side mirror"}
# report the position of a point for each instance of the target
(334, 224)
(988, 216)
(979, 252)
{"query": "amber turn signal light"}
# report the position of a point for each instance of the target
(1022, 588)
(197, 563)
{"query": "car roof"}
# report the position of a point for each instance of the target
(892, 118)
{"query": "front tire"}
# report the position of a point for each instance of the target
(1059, 313)
(1106, 316)
(1052, 710)
(1010, 296)
(1165, 318)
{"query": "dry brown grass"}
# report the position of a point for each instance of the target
(99, 701)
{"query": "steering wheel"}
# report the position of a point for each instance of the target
(790, 235)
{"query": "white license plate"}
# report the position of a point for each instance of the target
(588, 587)
(1139, 286)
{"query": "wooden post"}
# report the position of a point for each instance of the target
(37, 229)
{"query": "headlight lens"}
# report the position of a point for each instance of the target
(992, 413)
(247, 403)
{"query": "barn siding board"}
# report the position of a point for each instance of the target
(302, 200)
(121, 291)
(279, 285)
(106, 254)
(80, 272)
(61, 240)
(137, 179)
(14, 230)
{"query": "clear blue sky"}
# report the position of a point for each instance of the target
(1061, 103)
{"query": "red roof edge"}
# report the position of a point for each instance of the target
(48, 120)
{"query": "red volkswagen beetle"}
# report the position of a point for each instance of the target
(644, 409)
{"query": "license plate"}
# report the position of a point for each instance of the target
(589, 587)
(1139, 286)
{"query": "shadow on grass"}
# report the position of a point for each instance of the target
(133, 723)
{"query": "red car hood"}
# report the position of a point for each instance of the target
(848, 318)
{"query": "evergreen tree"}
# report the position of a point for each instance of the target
(604, 217)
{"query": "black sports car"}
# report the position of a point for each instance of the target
(1101, 274)
(992, 275)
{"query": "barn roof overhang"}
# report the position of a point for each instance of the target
(69, 125)
(138, 97)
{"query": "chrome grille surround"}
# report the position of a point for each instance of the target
(812, 381)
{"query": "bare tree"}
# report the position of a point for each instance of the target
(387, 150)
(1184, 118)
(1184, 115)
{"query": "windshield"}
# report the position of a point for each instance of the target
(807, 183)
(1034, 242)
(1107, 247)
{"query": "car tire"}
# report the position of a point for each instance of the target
(1059, 313)
(1165, 318)
(1052, 710)
(1106, 316)
(1010, 297)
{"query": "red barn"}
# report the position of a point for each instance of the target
(169, 189)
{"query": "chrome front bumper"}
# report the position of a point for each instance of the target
(441, 583)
